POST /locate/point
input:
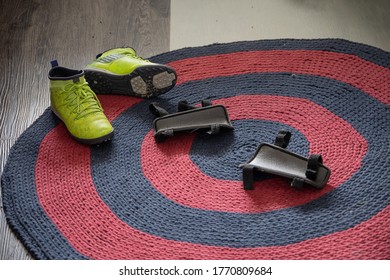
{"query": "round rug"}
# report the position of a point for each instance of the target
(133, 198)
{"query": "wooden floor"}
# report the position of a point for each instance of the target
(73, 32)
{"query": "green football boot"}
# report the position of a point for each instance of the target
(121, 71)
(77, 106)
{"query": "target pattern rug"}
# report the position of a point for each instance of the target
(133, 198)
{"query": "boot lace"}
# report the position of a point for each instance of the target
(81, 100)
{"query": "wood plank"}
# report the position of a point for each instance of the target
(34, 32)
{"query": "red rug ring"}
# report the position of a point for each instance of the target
(369, 77)
(88, 221)
(189, 186)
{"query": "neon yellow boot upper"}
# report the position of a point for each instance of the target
(119, 61)
(77, 106)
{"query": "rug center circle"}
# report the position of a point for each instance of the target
(219, 156)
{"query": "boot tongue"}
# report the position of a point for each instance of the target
(127, 50)
(79, 79)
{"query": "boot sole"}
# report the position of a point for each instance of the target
(145, 81)
(93, 141)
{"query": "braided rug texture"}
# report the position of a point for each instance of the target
(133, 198)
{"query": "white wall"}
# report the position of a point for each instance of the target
(202, 22)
